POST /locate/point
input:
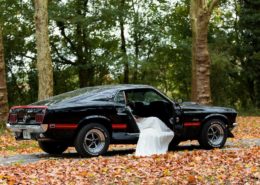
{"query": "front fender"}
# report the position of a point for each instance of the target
(216, 116)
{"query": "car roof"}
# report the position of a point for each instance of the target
(126, 86)
(90, 93)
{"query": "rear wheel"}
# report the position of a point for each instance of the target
(92, 140)
(52, 147)
(213, 134)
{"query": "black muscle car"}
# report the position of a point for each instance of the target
(92, 118)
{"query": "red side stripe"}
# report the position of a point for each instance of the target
(192, 124)
(119, 126)
(29, 107)
(64, 126)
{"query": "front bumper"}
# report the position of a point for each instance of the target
(233, 125)
(229, 133)
(31, 131)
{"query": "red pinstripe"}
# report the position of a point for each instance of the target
(119, 126)
(192, 124)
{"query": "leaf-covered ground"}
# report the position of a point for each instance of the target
(248, 127)
(200, 167)
(239, 165)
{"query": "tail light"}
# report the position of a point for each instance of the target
(12, 118)
(39, 118)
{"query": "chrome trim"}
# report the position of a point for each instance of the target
(215, 134)
(30, 128)
(94, 141)
(235, 124)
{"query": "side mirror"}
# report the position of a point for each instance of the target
(180, 101)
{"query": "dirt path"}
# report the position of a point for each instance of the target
(30, 158)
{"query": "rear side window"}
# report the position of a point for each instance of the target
(120, 97)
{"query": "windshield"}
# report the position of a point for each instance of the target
(101, 93)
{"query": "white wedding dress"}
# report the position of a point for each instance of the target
(154, 137)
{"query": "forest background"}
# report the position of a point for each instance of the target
(134, 41)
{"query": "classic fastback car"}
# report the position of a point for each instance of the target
(94, 117)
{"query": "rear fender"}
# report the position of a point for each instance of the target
(95, 119)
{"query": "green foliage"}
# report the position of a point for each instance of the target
(85, 45)
(2, 127)
(249, 48)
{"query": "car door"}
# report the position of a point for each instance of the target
(149, 102)
(125, 114)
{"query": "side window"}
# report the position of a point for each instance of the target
(135, 96)
(151, 96)
(143, 95)
(120, 97)
(147, 102)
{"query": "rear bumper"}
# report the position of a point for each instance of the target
(25, 132)
(29, 128)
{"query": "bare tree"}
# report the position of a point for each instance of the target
(3, 88)
(44, 62)
(200, 12)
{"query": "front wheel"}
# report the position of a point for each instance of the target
(213, 134)
(52, 147)
(92, 140)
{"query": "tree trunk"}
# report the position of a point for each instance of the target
(3, 88)
(86, 76)
(200, 12)
(123, 43)
(86, 67)
(257, 87)
(136, 44)
(44, 62)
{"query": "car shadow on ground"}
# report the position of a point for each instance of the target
(128, 150)
(76, 155)
(72, 154)
(119, 152)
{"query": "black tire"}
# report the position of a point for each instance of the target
(52, 147)
(213, 134)
(92, 140)
(175, 142)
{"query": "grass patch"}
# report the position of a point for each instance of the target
(2, 127)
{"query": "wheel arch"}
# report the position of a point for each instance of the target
(106, 122)
(216, 116)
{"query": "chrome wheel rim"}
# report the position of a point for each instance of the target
(215, 134)
(94, 141)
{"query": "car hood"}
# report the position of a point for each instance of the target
(194, 107)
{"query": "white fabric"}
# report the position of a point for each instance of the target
(154, 137)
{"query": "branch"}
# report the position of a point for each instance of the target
(212, 5)
(26, 56)
(61, 26)
(63, 59)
